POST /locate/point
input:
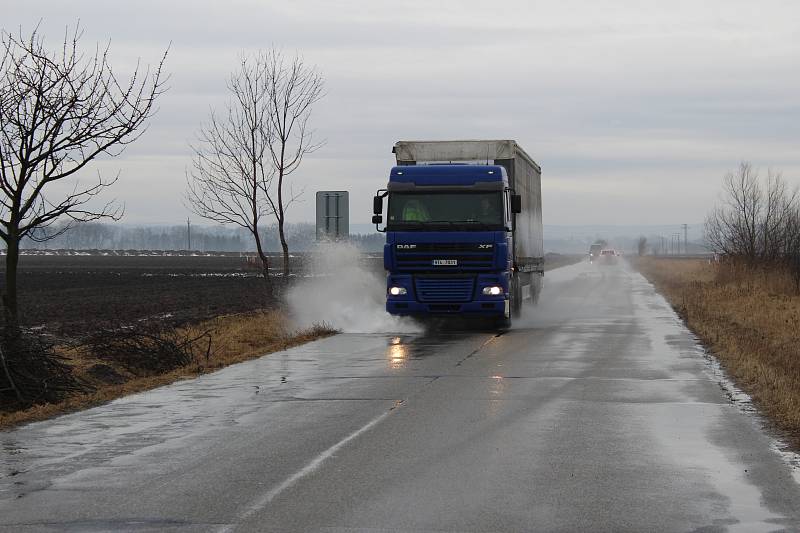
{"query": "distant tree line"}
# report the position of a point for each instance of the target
(100, 236)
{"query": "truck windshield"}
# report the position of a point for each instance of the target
(451, 210)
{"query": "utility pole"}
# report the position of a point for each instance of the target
(685, 239)
(188, 234)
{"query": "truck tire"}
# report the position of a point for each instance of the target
(503, 323)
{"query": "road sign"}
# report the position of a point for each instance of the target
(333, 215)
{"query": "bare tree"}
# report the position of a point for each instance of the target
(780, 203)
(731, 228)
(294, 88)
(243, 159)
(792, 247)
(232, 166)
(754, 221)
(59, 110)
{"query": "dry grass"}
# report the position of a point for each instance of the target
(236, 338)
(750, 319)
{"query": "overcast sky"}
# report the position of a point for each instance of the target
(635, 110)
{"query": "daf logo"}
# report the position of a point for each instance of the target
(484, 246)
(406, 246)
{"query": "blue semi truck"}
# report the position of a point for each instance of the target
(463, 229)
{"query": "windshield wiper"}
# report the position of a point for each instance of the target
(432, 222)
(423, 223)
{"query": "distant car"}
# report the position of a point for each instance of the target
(608, 256)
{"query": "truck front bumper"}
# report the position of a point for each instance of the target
(410, 307)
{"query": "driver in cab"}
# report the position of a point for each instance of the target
(414, 211)
(486, 212)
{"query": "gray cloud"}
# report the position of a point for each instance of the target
(634, 109)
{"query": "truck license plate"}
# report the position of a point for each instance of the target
(445, 262)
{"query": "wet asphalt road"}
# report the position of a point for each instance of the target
(598, 412)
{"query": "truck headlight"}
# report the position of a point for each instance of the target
(397, 291)
(492, 291)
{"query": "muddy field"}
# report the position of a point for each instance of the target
(69, 296)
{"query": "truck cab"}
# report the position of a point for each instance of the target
(448, 240)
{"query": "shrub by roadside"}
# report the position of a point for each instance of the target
(749, 318)
(31, 371)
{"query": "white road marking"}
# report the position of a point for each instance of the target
(300, 474)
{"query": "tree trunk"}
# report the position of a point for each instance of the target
(280, 214)
(285, 247)
(263, 258)
(10, 293)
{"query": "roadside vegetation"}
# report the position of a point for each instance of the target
(745, 306)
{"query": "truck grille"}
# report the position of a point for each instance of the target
(467, 256)
(444, 289)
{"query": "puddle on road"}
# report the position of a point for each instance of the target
(402, 350)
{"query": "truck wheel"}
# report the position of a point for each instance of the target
(503, 323)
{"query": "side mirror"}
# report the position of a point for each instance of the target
(377, 205)
(377, 219)
(516, 203)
